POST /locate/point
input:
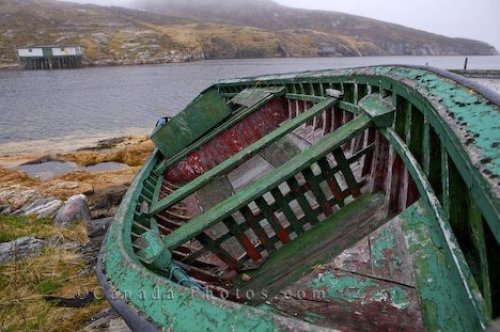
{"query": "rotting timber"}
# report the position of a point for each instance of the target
(355, 199)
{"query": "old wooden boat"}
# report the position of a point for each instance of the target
(355, 199)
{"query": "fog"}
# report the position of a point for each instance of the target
(455, 18)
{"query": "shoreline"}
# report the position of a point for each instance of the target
(105, 63)
(130, 151)
(67, 143)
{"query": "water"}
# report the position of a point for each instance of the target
(49, 169)
(44, 111)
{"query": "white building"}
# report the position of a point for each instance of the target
(49, 57)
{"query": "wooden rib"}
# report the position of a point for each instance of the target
(318, 193)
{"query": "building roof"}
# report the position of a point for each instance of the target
(47, 46)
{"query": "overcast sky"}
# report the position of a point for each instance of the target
(476, 19)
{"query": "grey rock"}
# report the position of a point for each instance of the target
(118, 325)
(41, 208)
(98, 227)
(89, 251)
(5, 209)
(20, 248)
(75, 208)
(101, 320)
(18, 196)
(70, 245)
(108, 197)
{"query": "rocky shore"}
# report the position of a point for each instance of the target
(50, 233)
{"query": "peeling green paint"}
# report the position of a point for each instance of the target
(464, 105)
(360, 290)
(383, 247)
(445, 305)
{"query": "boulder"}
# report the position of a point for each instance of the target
(75, 208)
(20, 248)
(41, 208)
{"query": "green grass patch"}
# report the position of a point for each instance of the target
(12, 227)
(48, 286)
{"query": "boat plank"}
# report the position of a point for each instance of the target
(389, 255)
(351, 302)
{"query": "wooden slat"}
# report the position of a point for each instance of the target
(479, 248)
(318, 193)
(313, 99)
(287, 211)
(296, 193)
(347, 172)
(445, 182)
(233, 227)
(254, 225)
(333, 184)
(426, 162)
(157, 189)
(272, 220)
(215, 247)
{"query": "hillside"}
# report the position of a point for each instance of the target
(329, 33)
(184, 30)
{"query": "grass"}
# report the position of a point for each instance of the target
(56, 271)
(13, 227)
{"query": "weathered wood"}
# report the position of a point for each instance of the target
(351, 302)
(466, 287)
(389, 255)
(379, 109)
(456, 119)
(356, 258)
(302, 97)
(249, 172)
(237, 117)
(228, 164)
(316, 246)
(479, 249)
(270, 181)
(445, 182)
(445, 304)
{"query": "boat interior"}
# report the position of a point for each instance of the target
(341, 204)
